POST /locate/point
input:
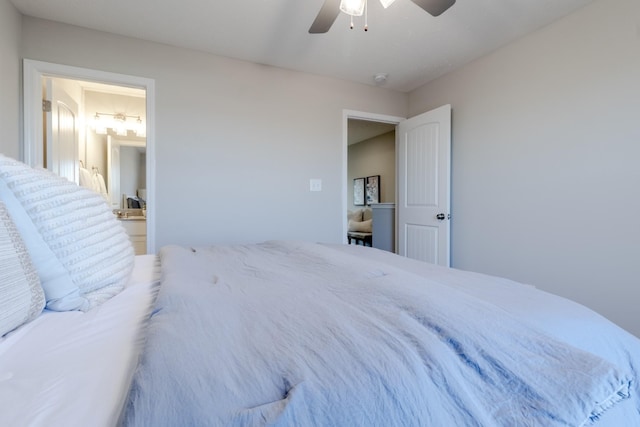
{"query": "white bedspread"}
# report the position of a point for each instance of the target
(287, 333)
(75, 368)
(557, 317)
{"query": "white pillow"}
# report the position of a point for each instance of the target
(21, 297)
(81, 252)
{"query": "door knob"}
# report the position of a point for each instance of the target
(440, 217)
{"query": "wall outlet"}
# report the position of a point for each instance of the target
(315, 185)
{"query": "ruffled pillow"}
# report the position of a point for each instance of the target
(82, 254)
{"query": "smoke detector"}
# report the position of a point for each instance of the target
(380, 78)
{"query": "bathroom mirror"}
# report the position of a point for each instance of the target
(126, 166)
(121, 164)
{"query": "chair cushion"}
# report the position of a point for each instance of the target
(360, 226)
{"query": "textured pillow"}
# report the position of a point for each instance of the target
(21, 297)
(360, 226)
(82, 254)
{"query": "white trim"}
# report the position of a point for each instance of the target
(33, 71)
(358, 115)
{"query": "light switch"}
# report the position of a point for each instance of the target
(315, 185)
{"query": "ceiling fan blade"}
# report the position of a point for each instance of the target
(327, 15)
(434, 7)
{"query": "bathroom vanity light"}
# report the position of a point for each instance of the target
(119, 123)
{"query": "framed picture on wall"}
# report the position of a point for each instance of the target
(358, 191)
(373, 189)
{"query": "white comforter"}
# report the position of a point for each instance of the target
(295, 334)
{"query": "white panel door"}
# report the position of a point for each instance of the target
(62, 133)
(424, 186)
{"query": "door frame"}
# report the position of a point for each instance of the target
(31, 152)
(359, 115)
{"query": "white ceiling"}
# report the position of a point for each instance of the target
(410, 45)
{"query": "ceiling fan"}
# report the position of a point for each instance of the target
(331, 9)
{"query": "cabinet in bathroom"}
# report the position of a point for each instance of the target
(137, 231)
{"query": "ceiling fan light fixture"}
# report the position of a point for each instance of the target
(332, 8)
(352, 7)
(386, 3)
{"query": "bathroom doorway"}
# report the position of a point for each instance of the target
(113, 114)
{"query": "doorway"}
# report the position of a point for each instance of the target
(423, 183)
(371, 137)
(100, 86)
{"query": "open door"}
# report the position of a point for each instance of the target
(424, 186)
(61, 132)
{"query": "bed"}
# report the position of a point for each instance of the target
(284, 333)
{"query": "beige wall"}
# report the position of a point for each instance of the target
(237, 142)
(375, 156)
(10, 79)
(545, 146)
(546, 159)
